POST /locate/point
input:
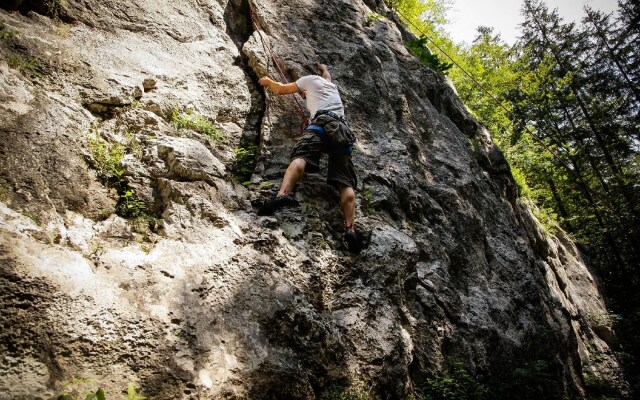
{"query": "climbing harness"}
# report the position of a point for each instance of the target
(332, 151)
(334, 131)
(267, 49)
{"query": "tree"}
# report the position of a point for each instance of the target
(564, 106)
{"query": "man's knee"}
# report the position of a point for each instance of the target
(297, 165)
(347, 195)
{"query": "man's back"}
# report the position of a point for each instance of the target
(321, 94)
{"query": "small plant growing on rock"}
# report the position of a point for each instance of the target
(418, 49)
(455, 383)
(367, 201)
(131, 206)
(131, 393)
(77, 388)
(106, 158)
(371, 18)
(244, 162)
(35, 217)
(189, 119)
(98, 395)
(18, 58)
(7, 34)
(30, 66)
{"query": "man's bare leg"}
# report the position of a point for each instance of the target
(348, 204)
(292, 176)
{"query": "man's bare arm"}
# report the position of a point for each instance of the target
(325, 71)
(277, 87)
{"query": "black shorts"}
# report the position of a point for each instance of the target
(340, 168)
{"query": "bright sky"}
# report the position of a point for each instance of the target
(504, 15)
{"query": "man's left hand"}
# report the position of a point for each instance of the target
(265, 81)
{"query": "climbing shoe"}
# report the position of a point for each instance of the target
(352, 242)
(277, 203)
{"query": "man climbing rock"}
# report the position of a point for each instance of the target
(328, 133)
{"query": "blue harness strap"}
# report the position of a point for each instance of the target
(323, 135)
(317, 128)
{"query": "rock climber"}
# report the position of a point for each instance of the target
(325, 107)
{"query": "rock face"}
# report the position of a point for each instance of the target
(194, 296)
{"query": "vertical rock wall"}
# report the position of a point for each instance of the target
(200, 298)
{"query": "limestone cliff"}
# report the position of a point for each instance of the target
(132, 252)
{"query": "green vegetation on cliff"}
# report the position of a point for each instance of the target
(565, 109)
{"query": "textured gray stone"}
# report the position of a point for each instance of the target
(188, 159)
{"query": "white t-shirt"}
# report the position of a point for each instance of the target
(321, 94)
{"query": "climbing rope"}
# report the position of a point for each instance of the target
(276, 63)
